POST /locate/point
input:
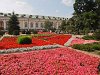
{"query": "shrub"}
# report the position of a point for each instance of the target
(87, 37)
(97, 34)
(88, 47)
(16, 32)
(23, 31)
(34, 31)
(2, 32)
(24, 40)
(28, 32)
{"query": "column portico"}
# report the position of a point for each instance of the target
(4, 24)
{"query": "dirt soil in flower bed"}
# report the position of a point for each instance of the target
(60, 61)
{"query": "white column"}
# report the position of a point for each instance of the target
(39, 25)
(34, 25)
(57, 26)
(4, 24)
(23, 26)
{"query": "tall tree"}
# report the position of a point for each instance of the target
(48, 25)
(82, 6)
(86, 14)
(63, 26)
(13, 24)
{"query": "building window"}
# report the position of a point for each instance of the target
(37, 25)
(42, 25)
(31, 24)
(25, 24)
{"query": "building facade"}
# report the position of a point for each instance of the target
(30, 21)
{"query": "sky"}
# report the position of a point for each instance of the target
(59, 8)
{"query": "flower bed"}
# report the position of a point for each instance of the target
(11, 42)
(81, 41)
(60, 61)
(59, 39)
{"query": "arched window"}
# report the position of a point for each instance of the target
(42, 25)
(31, 24)
(36, 24)
(1, 25)
(25, 24)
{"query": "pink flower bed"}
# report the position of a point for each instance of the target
(60, 61)
(81, 41)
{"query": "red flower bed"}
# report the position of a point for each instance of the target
(11, 42)
(59, 39)
(61, 61)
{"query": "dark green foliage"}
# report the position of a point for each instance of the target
(95, 36)
(13, 24)
(28, 32)
(48, 25)
(87, 47)
(34, 31)
(23, 31)
(86, 17)
(24, 40)
(87, 37)
(63, 26)
(2, 32)
(16, 32)
(82, 6)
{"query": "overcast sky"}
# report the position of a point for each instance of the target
(61, 8)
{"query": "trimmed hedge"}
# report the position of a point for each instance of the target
(87, 47)
(89, 37)
(24, 40)
(95, 36)
(2, 33)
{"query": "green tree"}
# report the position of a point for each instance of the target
(48, 25)
(91, 20)
(13, 24)
(63, 26)
(87, 14)
(82, 6)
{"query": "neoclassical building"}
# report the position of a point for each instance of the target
(30, 21)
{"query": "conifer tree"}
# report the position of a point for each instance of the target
(13, 24)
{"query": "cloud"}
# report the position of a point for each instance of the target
(19, 6)
(68, 2)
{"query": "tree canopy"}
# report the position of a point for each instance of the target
(13, 24)
(86, 16)
(48, 25)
